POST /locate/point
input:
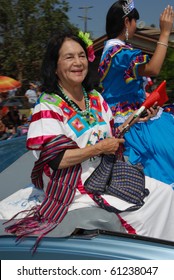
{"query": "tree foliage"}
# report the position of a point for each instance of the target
(25, 28)
(167, 73)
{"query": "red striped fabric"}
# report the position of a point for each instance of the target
(47, 114)
(59, 193)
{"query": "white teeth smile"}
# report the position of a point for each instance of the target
(79, 72)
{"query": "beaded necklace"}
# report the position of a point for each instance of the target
(86, 114)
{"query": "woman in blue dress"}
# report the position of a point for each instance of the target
(123, 71)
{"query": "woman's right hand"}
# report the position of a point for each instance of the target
(166, 20)
(109, 145)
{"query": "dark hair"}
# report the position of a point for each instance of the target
(49, 64)
(115, 19)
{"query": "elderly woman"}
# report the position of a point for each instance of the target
(72, 127)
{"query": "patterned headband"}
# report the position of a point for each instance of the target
(128, 7)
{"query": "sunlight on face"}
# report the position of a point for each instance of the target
(72, 66)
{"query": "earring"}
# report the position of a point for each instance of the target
(127, 34)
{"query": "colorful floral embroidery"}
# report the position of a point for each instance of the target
(124, 109)
(106, 62)
(131, 73)
(78, 123)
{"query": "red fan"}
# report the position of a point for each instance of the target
(159, 95)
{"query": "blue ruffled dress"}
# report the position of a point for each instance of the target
(152, 142)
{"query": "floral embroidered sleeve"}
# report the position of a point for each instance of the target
(122, 59)
(132, 72)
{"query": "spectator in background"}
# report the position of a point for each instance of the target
(14, 117)
(23, 128)
(31, 94)
(12, 92)
(11, 131)
(39, 90)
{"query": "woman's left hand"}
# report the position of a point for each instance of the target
(151, 112)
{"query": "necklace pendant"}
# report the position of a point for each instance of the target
(90, 118)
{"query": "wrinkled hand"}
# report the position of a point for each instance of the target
(166, 19)
(109, 145)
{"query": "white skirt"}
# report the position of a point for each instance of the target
(154, 219)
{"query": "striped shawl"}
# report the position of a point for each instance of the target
(60, 192)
